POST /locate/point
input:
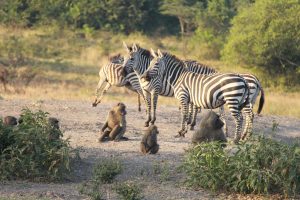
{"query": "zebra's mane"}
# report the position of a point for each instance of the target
(116, 59)
(174, 58)
(144, 52)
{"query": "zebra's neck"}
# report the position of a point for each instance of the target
(174, 73)
(143, 65)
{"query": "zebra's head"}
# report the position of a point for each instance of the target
(137, 59)
(129, 58)
(152, 77)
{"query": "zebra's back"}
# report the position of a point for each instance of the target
(212, 91)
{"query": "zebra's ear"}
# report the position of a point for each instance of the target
(134, 47)
(153, 53)
(159, 53)
(126, 47)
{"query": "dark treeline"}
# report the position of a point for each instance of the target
(263, 33)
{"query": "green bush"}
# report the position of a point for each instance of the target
(259, 166)
(27, 151)
(128, 191)
(267, 35)
(104, 172)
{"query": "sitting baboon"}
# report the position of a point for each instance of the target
(210, 129)
(149, 141)
(10, 121)
(55, 132)
(115, 125)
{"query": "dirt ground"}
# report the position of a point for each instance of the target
(81, 123)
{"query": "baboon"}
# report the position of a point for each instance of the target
(115, 125)
(210, 129)
(55, 132)
(10, 121)
(149, 141)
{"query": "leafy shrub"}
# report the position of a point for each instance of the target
(260, 166)
(128, 191)
(106, 170)
(103, 172)
(28, 152)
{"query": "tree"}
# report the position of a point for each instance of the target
(267, 35)
(184, 10)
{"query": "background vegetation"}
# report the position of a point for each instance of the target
(62, 43)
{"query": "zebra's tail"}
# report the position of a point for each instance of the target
(261, 100)
(247, 92)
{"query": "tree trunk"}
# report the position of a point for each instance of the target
(181, 22)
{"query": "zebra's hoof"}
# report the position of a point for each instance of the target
(192, 128)
(178, 135)
(146, 124)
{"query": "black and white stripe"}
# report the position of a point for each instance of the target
(110, 75)
(205, 91)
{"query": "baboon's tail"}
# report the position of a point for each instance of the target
(261, 100)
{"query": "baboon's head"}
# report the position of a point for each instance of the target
(10, 121)
(214, 120)
(53, 122)
(153, 129)
(121, 108)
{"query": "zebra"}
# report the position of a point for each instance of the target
(110, 75)
(139, 58)
(137, 61)
(253, 83)
(205, 91)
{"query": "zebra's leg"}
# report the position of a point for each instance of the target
(238, 118)
(222, 117)
(190, 113)
(248, 111)
(184, 113)
(154, 104)
(147, 97)
(99, 95)
(139, 102)
(194, 117)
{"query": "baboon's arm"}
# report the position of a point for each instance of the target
(105, 125)
(116, 131)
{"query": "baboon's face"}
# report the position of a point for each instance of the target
(54, 122)
(218, 122)
(11, 121)
(154, 129)
(122, 109)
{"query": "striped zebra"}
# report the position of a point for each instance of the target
(110, 75)
(253, 83)
(205, 91)
(137, 61)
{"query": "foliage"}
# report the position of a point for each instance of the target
(128, 191)
(28, 152)
(104, 172)
(260, 166)
(266, 34)
(114, 15)
(15, 50)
